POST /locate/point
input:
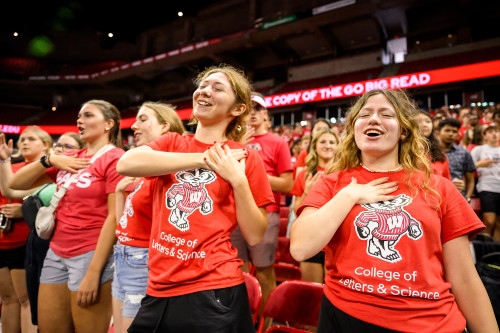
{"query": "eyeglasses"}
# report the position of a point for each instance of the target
(63, 146)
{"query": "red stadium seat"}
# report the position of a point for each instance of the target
(284, 210)
(283, 226)
(293, 304)
(254, 294)
(475, 203)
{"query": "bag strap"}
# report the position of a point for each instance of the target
(56, 197)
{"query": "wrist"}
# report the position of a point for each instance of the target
(45, 161)
(6, 160)
(468, 199)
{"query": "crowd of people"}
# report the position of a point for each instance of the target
(156, 238)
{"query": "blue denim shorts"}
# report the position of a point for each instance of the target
(131, 277)
(57, 269)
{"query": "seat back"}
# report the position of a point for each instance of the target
(254, 294)
(295, 303)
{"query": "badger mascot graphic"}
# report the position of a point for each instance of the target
(128, 209)
(190, 194)
(383, 225)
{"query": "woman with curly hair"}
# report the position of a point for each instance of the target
(397, 236)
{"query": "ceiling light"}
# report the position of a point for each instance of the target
(180, 14)
(110, 35)
(15, 34)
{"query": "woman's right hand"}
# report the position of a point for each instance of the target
(125, 183)
(6, 149)
(311, 180)
(69, 163)
(374, 191)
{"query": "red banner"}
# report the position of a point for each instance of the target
(414, 80)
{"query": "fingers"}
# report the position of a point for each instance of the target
(10, 144)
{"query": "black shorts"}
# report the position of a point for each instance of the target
(318, 258)
(13, 258)
(490, 202)
(225, 310)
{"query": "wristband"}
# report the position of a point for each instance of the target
(44, 161)
(6, 160)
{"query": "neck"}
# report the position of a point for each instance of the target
(380, 163)
(322, 162)
(446, 146)
(94, 146)
(259, 130)
(28, 159)
(211, 133)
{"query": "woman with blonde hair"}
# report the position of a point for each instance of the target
(397, 236)
(134, 215)
(33, 143)
(78, 268)
(206, 185)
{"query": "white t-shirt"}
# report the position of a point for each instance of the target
(488, 178)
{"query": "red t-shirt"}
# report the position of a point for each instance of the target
(134, 228)
(17, 236)
(394, 277)
(84, 208)
(301, 160)
(441, 168)
(194, 214)
(277, 159)
(300, 182)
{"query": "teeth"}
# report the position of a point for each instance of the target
(203, 103)
(373, 133)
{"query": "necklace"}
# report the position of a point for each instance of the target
(393, 170)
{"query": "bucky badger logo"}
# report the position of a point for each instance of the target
(128, 210)
(384, 224)
(188, 195)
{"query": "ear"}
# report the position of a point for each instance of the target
(109, 124)
(238, 110)
(165, 128)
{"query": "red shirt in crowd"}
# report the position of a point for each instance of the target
(385, 263)
(277, 159)
(82, 211)
(18, 234)
(134, 228)
(194, 214)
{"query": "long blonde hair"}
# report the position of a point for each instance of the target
(242, 90)
(165, 113)
(312, 159)
(412, 147)
(45, 137)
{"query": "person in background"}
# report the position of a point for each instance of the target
(133, 217)
(487, 158)
(462, 166)
(317, 125)
(68, 141)
(16, 316)
(439, 161)
(78, 268)
(205, 188)
(323, 148)
(277, 160)
(397, 236)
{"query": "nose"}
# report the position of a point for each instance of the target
(374, 118)
(134, 126)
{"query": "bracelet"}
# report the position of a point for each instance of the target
(6, 160)
(44, 159)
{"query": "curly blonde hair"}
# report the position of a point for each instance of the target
(413, 147)
(242, 89)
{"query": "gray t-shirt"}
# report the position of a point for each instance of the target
(488, 178)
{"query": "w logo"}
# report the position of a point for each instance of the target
(395, 222)
(195, 197)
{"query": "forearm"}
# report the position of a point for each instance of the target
(28, 176)
(104, 245)
(283, 183)
(5, 176)
(149, 163)
(252, 220)
(120, 205)
(469, 185)
(298, 202)
(314, 228)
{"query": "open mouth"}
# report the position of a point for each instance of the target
(373, 133)
(202, 103)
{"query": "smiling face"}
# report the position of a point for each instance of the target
(326, 146)
(146, 127)
(214, 100)
(425, 124)
(31, 146)
(376, 129)
(91, 123)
